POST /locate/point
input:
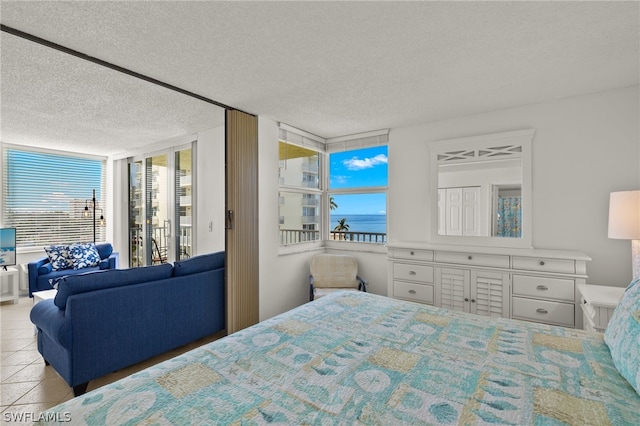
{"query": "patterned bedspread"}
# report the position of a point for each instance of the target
(357, 358)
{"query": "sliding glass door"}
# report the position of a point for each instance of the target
(160, 207)
(184, 203)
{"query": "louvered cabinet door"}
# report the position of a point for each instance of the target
(490, 293)
(453, 288)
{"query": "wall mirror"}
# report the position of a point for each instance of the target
(480, 190)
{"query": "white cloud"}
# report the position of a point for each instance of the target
(357, 164)
(339, 179)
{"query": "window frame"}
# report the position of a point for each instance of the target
(324, 148)
(312, 143)
(350, 191)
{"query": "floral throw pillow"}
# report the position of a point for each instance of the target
(623, 335)
(59, 257)
(84, 255)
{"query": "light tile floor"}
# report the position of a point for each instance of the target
(27, 385)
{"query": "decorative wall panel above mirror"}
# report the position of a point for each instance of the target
(480, 190)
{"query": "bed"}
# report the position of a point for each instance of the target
(359, 358)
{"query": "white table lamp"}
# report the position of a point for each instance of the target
(624, 222)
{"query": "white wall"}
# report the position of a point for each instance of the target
(210, 187)
(584, 148)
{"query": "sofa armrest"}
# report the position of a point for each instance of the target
(32, 268)
(52, 321)
(113, 260)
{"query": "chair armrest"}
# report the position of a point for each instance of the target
(363, 283)
(50, 320)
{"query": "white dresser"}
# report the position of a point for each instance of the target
(529, 284)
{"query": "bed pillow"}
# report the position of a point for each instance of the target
(59, 257)
(622, 335)
(84, 255)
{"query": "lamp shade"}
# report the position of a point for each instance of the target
(624, 215)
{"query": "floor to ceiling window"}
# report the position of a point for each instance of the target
(160, 207)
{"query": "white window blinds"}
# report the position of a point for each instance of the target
(45, 194)
(360, 140)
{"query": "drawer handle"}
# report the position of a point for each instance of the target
(473, 300)
(411, 253)
(542, 287)
(542, 311)
(412, 291)
(412, 272)
(466, 299)
(542, 263)
(470, 257)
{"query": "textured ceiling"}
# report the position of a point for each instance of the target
(330, 68)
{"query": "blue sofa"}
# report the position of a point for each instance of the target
(42, 275)
(100, 322)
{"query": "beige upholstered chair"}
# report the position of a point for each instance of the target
(333, 272)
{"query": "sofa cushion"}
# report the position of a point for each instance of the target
(98, 280)
(59, 257)
(45, 269)
(84, 255)
(201, 263)
(104, 250)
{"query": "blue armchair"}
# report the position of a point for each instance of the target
(41, 273)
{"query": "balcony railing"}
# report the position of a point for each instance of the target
(159, 245)
(360, 237)
(295, 236)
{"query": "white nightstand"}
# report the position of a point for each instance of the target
(598, 303)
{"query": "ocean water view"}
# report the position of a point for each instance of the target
(362, 222)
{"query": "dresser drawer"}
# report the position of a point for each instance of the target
(405, 271)
(422, 293)
(557, 313)
(544, 287)
(411, 254)
(474, 259)
(544, 265)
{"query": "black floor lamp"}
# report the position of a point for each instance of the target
(94, 208)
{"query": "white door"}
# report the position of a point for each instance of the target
(453, 208)
(471, 211)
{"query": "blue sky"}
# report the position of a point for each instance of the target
(355, 169)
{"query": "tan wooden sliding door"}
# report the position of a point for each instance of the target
(242, 220)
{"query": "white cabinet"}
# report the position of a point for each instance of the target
(480, 292)
(533, 285)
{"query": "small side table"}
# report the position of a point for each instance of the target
(39, 296)
(11, 275)
(598, 303)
